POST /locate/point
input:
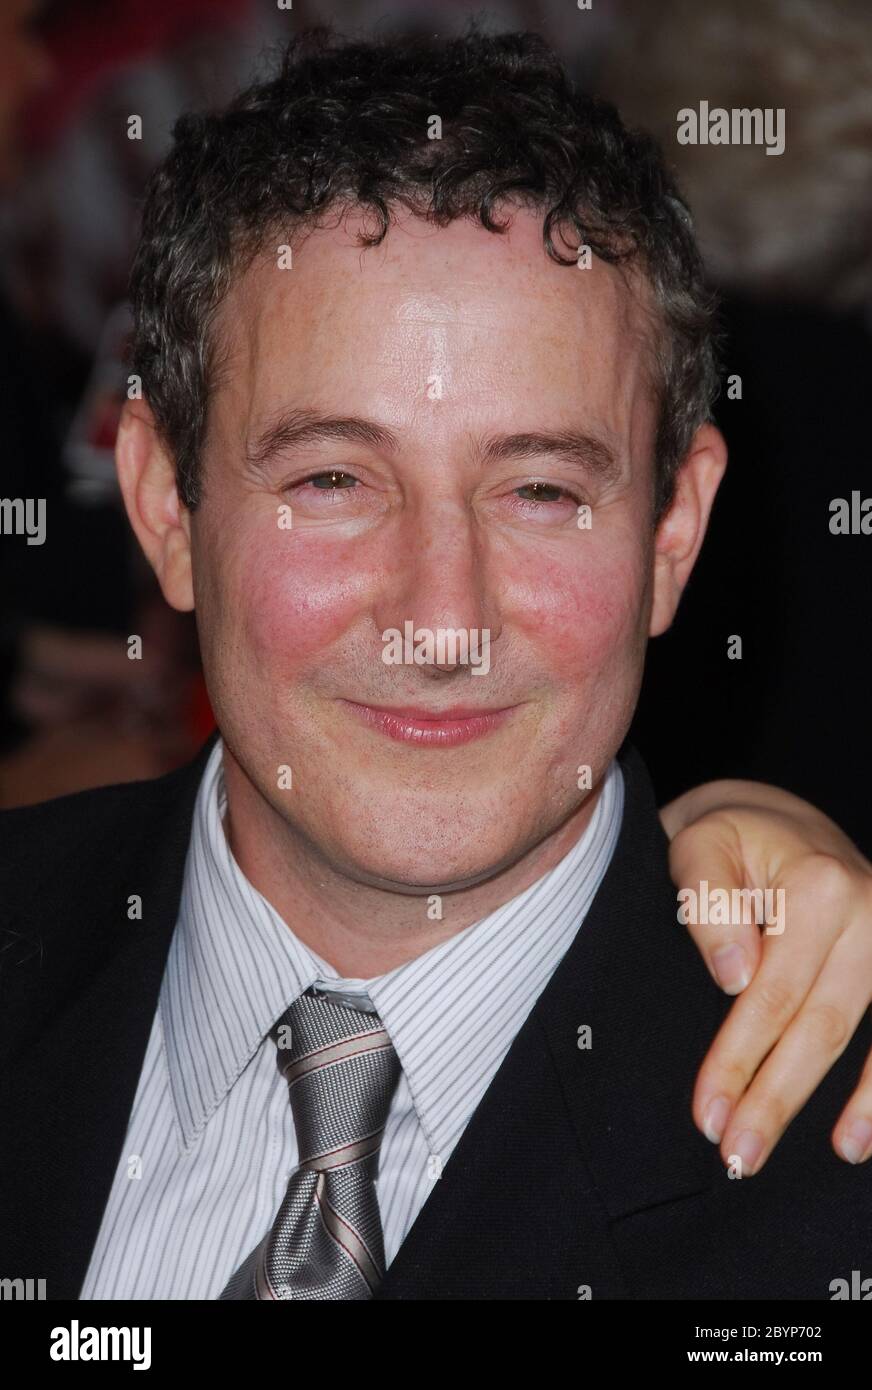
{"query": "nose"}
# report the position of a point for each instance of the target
(442, 580)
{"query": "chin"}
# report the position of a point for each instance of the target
(420, 880)
(419, 868)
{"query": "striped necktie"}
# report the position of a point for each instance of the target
(326, 1241)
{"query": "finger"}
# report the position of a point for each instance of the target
(852, 1136)
(705, 864)
(753, 1026)
(815, 917)
(814, 1040)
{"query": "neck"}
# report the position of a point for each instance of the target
(363, 930)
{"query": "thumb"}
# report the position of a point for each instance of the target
(707, 868)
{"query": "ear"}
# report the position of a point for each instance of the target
(147, 476)
(682, 528)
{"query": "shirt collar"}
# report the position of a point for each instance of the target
(232, 969)
(235, 966)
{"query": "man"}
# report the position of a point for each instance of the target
(424, 879)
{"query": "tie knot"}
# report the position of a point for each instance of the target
(341, 1069)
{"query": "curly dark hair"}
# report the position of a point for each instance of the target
(345, 123)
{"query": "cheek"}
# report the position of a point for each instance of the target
(294, 596)
(588, 612)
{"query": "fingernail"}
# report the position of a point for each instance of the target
(732, 969)
(857, 1140)
(716, 1117)
(748, 1147)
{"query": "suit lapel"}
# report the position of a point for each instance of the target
(567, 1140)
(86, 1000)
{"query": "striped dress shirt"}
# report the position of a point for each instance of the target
(210, 1143)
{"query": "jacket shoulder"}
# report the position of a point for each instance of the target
(70, 830)
(68, 870)
(67, 853)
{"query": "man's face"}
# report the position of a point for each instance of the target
(446, 338)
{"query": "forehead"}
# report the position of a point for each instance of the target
(490, 317)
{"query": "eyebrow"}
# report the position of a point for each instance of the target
(583, 450)
(295, 429)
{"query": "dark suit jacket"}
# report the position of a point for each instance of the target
(579, 1167)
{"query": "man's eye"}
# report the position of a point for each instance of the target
(335, 479)
(545, 492)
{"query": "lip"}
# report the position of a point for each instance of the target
(431, 728)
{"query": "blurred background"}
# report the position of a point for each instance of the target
(788, 243)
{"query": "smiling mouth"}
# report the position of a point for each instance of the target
(431, 728)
